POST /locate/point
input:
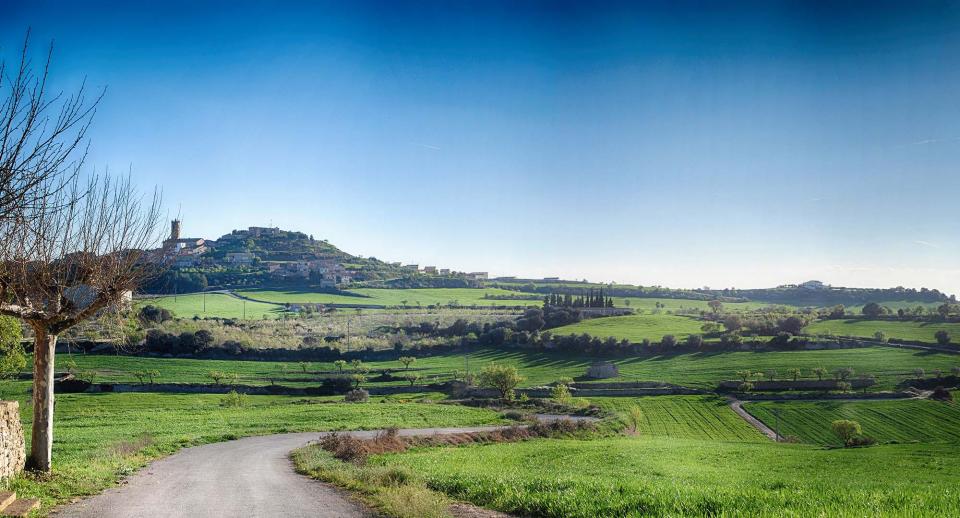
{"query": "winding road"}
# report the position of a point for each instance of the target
(250, 477)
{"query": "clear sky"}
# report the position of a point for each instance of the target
(680, 144)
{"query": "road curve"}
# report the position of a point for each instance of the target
(250, 477)
(737, 406)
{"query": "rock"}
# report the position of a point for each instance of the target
(12, 452)
(603, 370)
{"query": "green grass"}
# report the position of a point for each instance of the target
(906, 330)
(634, 327)
(394, 297)
(91, 429)
(902, 421)
(217, 305)
(659, 476)
(700, 370)
(686, 417)
(648, 304)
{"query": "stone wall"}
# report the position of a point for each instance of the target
(12, 453)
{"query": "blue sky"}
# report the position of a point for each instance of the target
(680, 144)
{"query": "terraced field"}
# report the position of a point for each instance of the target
(902, 421)
(395, 297)
(635, 328)
(700, 370)
(686, 417)
(919, 331)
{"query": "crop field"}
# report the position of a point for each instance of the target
(901, 421)
(699, 370)
(906, 330)
(643, 304)
(213, 305)
(665, 476)
(395, 297)
(634, 327)
(686, 417)
(98, 438)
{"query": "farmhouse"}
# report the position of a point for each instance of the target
(430, 270)
(240, 258)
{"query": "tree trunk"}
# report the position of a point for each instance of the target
(41, 443)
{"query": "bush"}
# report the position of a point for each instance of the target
(846, 430)
(502, 378)
(338, 385)
(635, 417)
(941, 394)
(357, 396)
(943, 337)
(150, 314)
(560, 393)
(668, 341)
(234, 399)
(12, 356)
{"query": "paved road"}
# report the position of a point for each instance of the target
(251, 477)
(737, 406)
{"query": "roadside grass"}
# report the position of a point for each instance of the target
(886, 421)
(684, 417)
(661, 476)
(635, 328)
(904, 330)
(99, 438)
(699, 370)
(213, 305)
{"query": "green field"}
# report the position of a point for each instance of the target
(700, 370)
(685, 417)
(660, 476)
(94, 432)
(907, 330)
(213, 305)
(901, 421)
(634, 327)
(394, 297)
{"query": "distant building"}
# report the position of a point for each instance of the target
(551, 278)
(240, 258)
(431, 270)
(413, 267)
(182, 251)
(814, 285)
(444, 271)
(480, 276)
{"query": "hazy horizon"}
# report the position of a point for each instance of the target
(745, 145)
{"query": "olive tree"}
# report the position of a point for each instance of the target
(502, 378)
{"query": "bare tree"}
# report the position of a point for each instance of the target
(41, 134)
(61, 267)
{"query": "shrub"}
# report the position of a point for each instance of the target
(941, 394)
(13, 358)
(338, 385)
(746, 386)
(357, 396)
(694, 341)
(560, 393)
(668, 341)
(880, 336)
(846, 430)
(943, 337)
(502, 378)
(234, 399)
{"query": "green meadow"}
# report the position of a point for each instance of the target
(395, 297)
(634, 328)
(213, 305)
(700, 370)
(684, 417)
(897, 420)
(667, 476)
(904, 330)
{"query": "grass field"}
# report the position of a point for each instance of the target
(394, 297)
(685, 417)
(659, 476)
(701, 370)
(98, 438)
(634, 327)
(919, 331)
(213, 305)
(902, 421)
